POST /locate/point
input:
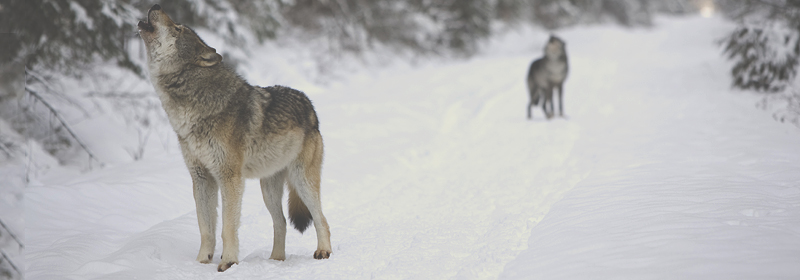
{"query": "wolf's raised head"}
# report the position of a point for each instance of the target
(555, 48)
(171, 46)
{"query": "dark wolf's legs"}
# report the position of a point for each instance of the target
(561, 100)
(534, 93)
(530, 104)
(548, 99)
(272, 191)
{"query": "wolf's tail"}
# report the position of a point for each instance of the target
(298, 211)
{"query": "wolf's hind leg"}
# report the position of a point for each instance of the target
(304, 179)
(272, 191)
(205, 190)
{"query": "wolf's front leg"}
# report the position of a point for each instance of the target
(232, 189)
(272, 191)
(205, 198)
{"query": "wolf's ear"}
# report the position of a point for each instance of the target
(209, 58)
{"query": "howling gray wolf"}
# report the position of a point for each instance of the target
(547, 73)
(229, 130)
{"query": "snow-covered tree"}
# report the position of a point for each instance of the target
(765, 49)
(68, 35)
(765, 55)
(765, 45)
(58, 38)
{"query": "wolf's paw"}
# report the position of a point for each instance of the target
(322, 254)
(205, 259)
(223, 266)
(206, 253)
(278, 257)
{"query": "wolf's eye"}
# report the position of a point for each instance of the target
(177, 29)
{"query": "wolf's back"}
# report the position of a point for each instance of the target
(291, 104)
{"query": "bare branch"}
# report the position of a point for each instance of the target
(63, 123)
(10, 262)
(13, 236)
(52, 89)
(119, 95)
(5, 149)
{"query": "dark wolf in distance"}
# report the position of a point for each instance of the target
(547, 74)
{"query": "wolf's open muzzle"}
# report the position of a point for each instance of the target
(147, 26)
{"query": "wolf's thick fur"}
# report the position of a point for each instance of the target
(229, 130)
(547, 73)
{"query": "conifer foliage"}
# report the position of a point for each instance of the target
(765, 46)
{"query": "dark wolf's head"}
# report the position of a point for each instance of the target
(555, 48)
(171, 46)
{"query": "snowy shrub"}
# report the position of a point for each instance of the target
(791, 113)
(765, 56)
(785, 106)
(765, 48)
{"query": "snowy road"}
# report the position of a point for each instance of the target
(658, 171)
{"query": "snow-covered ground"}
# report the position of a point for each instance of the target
(658, 171)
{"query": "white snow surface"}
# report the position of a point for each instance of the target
(658, 171)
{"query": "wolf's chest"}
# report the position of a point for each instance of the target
(557, 71)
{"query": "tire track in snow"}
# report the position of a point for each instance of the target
(462, 204)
